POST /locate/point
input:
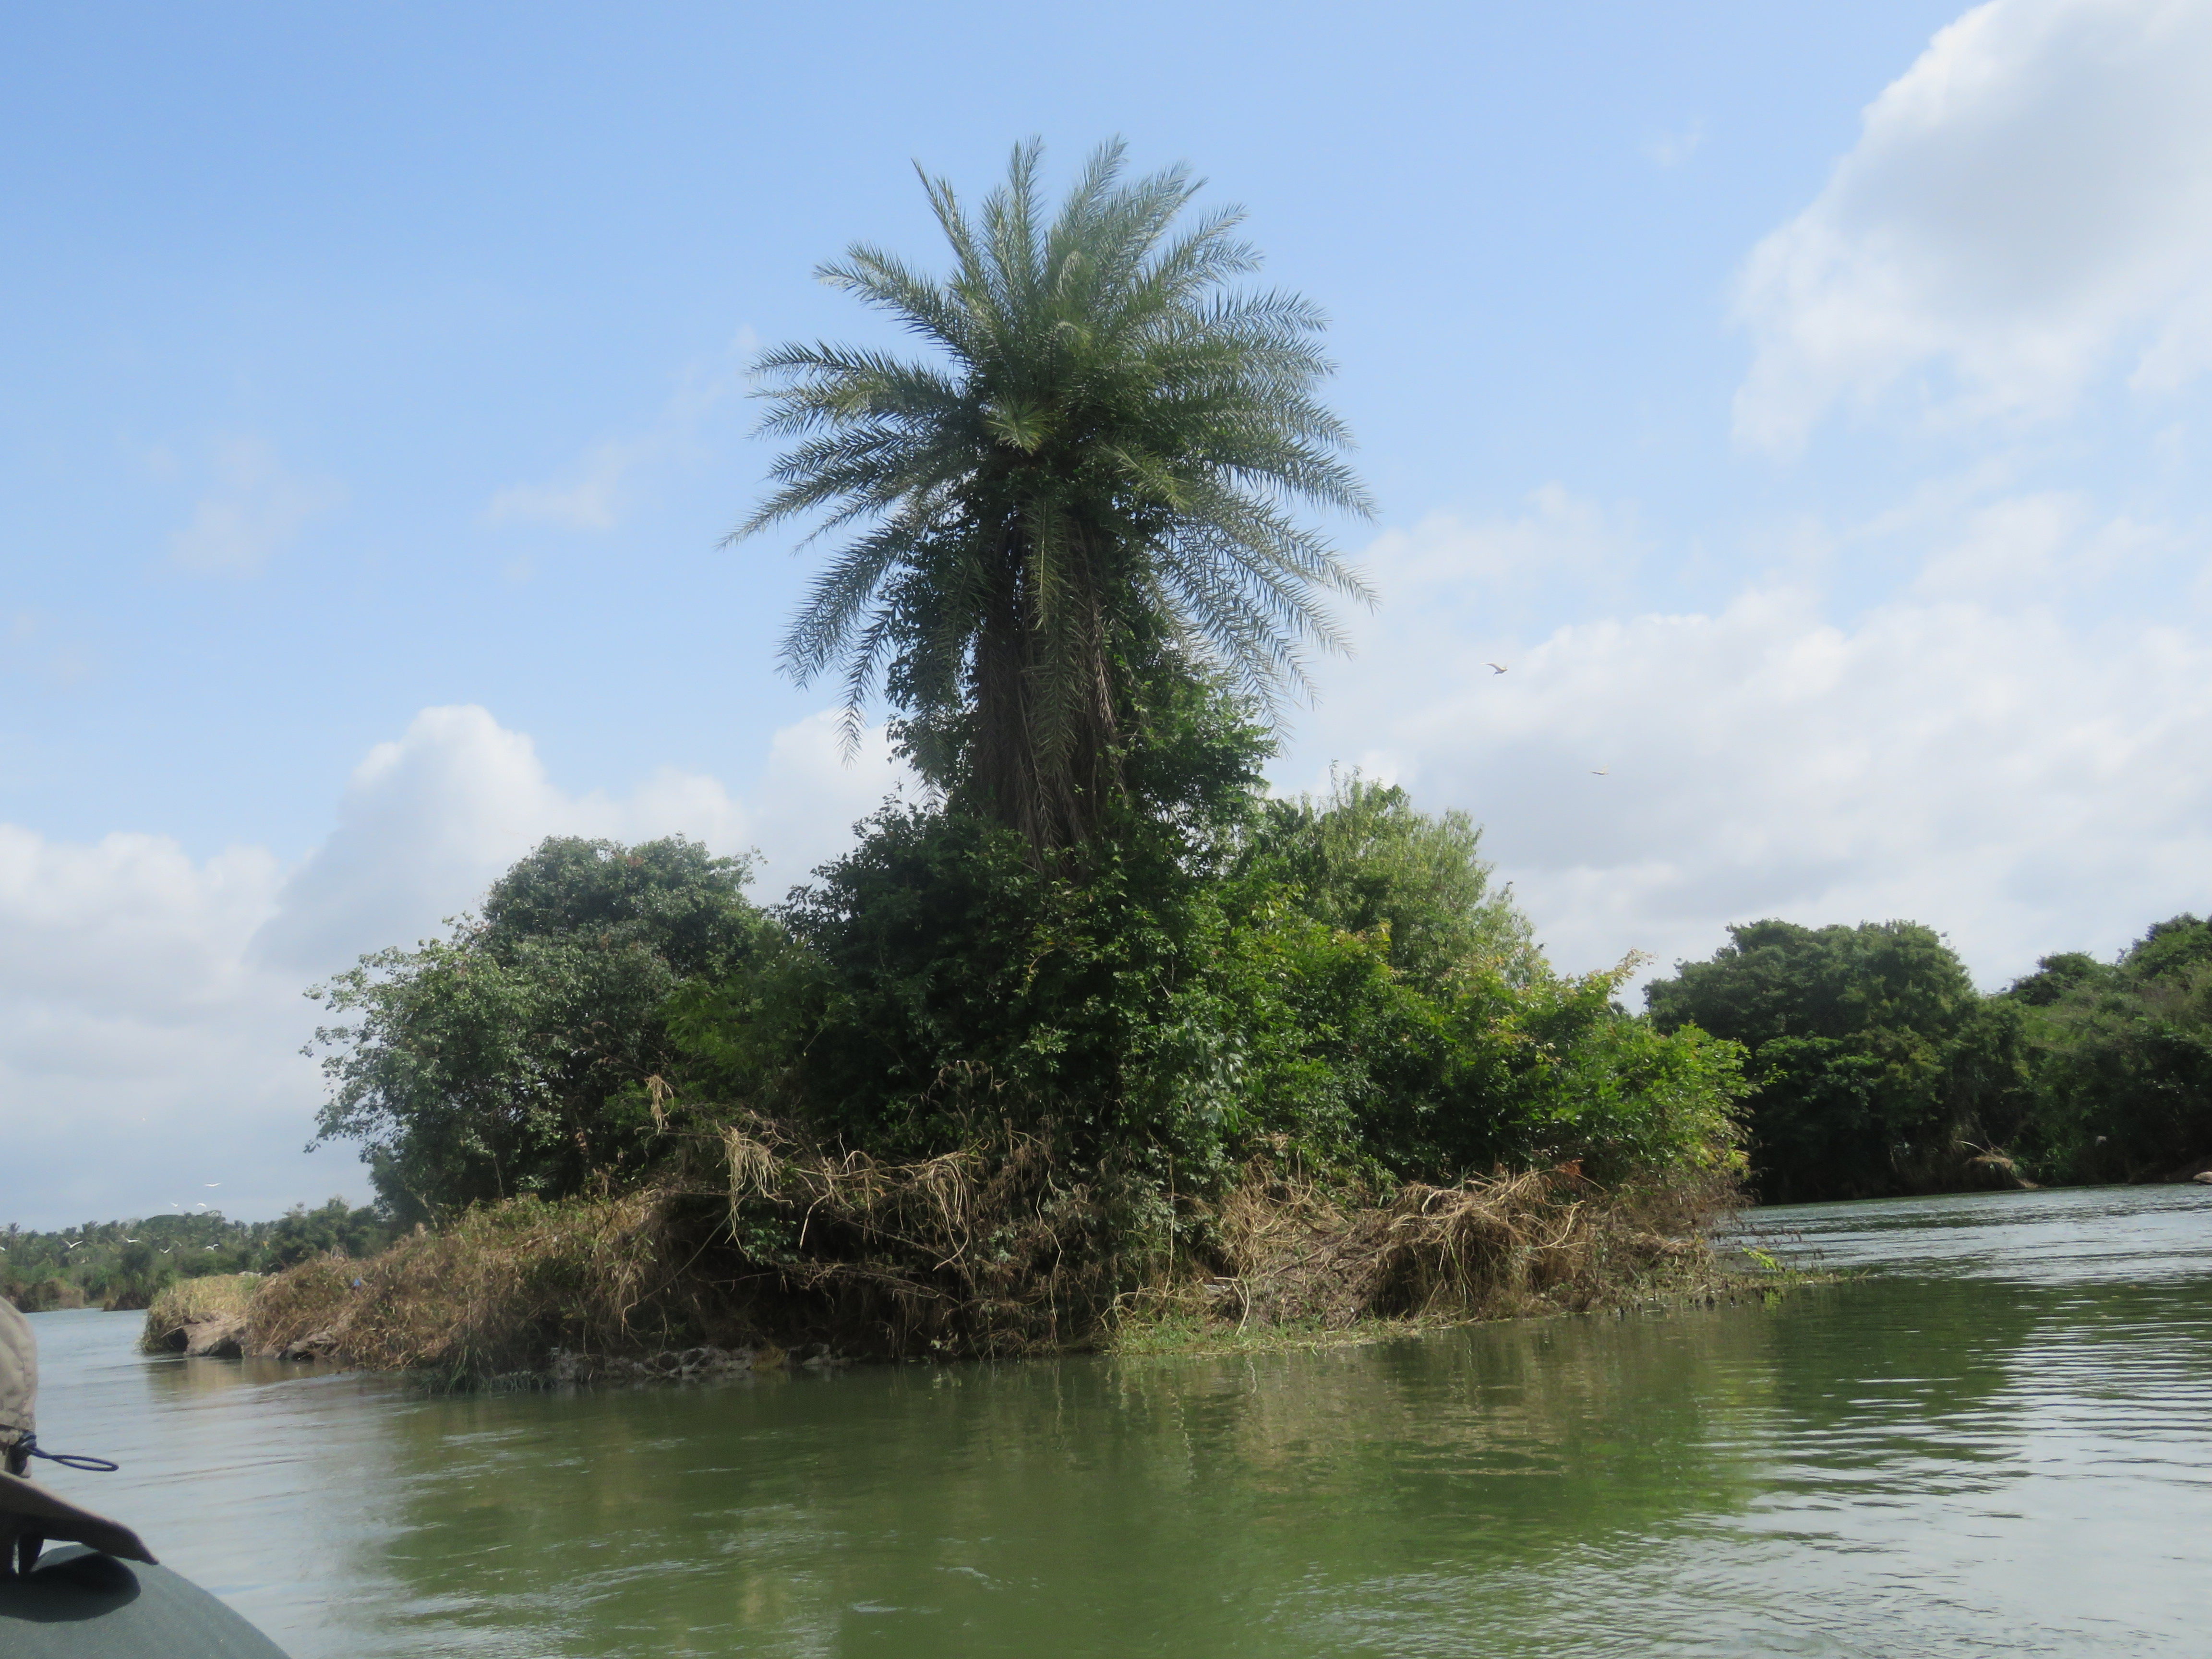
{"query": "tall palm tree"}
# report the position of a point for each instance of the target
(1099, 468)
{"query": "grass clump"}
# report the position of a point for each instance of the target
(998, 1251)
(503, 1288)
(194, 1302)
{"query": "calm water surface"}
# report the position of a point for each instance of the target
(1998, 1441)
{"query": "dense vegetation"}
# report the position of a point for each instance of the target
(1331, 983)
(1880, 1069)
(2122, 1057)
(126, 1264)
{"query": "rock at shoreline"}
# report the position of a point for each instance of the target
(220, 1337)
(2203, 1178)
(316, 1344)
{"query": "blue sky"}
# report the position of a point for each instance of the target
(1808, 413)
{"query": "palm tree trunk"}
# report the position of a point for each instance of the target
(1051, 787)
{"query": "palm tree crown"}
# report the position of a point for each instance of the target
(1098, 471)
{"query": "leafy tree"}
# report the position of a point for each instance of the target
(2056, 976)
(1880, 1069)
(335, 1228)
(1087, 492)
(1365, 860)
(511, 1057)
(2124, 1056)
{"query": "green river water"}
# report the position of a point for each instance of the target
(1995, 1439)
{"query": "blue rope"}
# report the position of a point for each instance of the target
(29, 1445)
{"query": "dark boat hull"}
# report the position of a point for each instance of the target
(82, 1605)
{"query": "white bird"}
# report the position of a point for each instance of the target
(214, 1183)
(1495, 667)
(1599, 771)
(74, 1246)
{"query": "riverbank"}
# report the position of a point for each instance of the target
(947, 1260)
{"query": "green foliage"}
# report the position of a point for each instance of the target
(513, 1056)
(126, 1264)
(1364, 862)
(334, 1230)
(1094, 476)
(2124, 1056)
(1877, 1063)
(1333, 983)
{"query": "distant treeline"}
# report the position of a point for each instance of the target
(124, 1264)
(1880, 1070)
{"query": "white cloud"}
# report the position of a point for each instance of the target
(256, 511)
(1975, 754)
(2029, 205)
(150, 1005)
(1561, 549)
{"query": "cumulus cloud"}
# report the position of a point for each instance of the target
(2027, 207)
(255, 511)
(1973, 753)
(429, 819)
(150, 1005)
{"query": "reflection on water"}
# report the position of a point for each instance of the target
(1997, 1442)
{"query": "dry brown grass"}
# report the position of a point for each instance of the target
(497, 1292)
(991, 1250)
(190, 1301)
(997, 1249)
(1296, 1253)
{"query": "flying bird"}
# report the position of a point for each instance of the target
(1495, 667)
(1599, 771)
(214, 1183)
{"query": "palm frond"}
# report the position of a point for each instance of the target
(1109, 443)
